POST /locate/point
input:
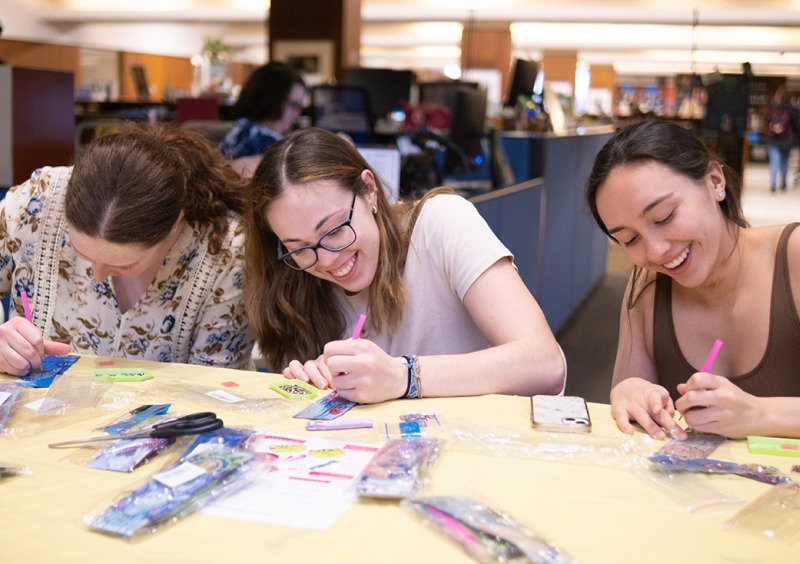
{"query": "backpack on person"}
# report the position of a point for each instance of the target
(780, 122)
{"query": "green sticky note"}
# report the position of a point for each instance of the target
(773, 445)
(122, 374)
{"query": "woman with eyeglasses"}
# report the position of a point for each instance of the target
(446, 312)
(270, 102)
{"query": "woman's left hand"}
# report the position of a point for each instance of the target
(714, 404)
(313, 371)
(362, 372)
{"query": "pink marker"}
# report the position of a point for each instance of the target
(359, 326)
(711, 356)
(25, 306)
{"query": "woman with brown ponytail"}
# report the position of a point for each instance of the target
(136, 251)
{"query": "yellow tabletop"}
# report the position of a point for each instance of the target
(597, 513)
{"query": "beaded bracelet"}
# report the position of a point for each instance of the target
(413, 390)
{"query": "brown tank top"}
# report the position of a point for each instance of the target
(778, 373)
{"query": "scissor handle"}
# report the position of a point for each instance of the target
(192, 424)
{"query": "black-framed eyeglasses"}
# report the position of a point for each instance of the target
(337, 239)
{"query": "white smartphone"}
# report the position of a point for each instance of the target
(560, 413)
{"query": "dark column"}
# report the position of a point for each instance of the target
(328, 30)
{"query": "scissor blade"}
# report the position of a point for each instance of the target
(74, 442)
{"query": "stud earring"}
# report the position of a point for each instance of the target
(721, 194)
(374, 210)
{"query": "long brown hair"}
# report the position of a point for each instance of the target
(294, 313)
(131, 186)
(675, 147)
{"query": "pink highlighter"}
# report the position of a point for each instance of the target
(359, 325)
(711, 356)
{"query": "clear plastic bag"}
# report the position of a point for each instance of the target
(484, 533)
(401, 468)
(185, 487)
(775, 514)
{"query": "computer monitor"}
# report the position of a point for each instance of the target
(522, 82)
(342, 108)
(466, 129)
(385, 88)
(443, 92)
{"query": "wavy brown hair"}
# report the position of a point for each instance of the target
(130, 186)
(675, 147)
(294, 313)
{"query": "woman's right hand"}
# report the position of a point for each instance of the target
(22, 347)
(646, 403)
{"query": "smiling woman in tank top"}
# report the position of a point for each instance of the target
(700, 274)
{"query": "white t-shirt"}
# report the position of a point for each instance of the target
(451, 246)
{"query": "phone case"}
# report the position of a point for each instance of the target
(560, 413)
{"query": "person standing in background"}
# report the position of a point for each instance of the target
(781, 135)
(270, 102)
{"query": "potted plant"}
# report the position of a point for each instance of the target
(216, 54)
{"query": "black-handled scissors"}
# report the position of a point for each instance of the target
(192, 424)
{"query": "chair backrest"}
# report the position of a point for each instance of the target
(214, 129)
(342, 108)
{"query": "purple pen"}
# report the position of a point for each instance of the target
(335, 425)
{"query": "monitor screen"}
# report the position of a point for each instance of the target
(443, 92)
(341, 108)
(385, 88)
(466, 129)
(522, 82)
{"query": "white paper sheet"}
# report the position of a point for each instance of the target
(314, 482)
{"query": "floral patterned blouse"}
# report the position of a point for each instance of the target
(193, 311)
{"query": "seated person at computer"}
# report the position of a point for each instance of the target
(135, 252)
(268, 105)
(447, 314)
(700, 274)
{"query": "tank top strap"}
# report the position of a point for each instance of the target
(671, 365)
(782, 300)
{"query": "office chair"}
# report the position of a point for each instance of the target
(213, 129)
(343, 108)
(462, 142)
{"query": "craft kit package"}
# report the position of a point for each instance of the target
(185, 487)
(486, 534)
(400, 469)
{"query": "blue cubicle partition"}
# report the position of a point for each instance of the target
(516, 215)
(558, 249)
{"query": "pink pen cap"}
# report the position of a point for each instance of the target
(359, 325)
(711, 356)
(23, 295)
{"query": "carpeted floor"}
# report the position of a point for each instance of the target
(589, 338)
